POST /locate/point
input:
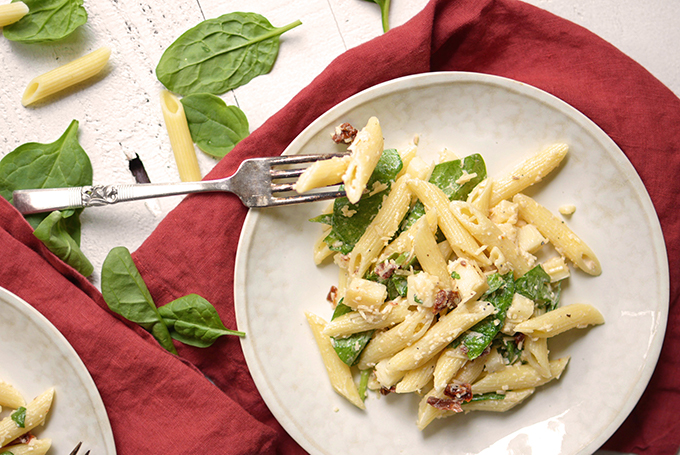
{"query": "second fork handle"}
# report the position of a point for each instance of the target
(49, 199)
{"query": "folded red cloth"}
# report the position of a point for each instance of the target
(159, 403)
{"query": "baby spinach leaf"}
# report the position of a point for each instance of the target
(194, 321)
(349, 348)
(53, 231)
(487, 397)
(19, 417)
(482, 334)
(62, 163)
(220, 54)
(215, 127)
(349, 221)
(535, 285)
(126, 294)
(445, 176)
(47, 20)
(384, 12)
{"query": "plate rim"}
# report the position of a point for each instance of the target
(67, 350)
(447, 77)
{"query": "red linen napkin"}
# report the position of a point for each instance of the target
(162, 404)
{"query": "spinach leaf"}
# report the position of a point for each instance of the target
(535, 285)
(363, 383)
(47, 20)
(349, 221)
(482, 334)
(215, 127)
(384, 12)
(19, 417)
(126, 294)
(509, 349)
(194, 321)
(349, 348)
(444, 176)
(487, 397)
(220, 54)
(53, 231)
(62, 163)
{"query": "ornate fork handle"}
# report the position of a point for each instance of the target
(44, 200)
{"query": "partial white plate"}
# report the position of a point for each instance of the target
(505, 121)
(35, 356)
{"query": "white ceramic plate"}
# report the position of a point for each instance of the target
(505, 121)
(35, 356)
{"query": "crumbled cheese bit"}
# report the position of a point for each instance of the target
(466, 177)
(567, 209)
(347, 212)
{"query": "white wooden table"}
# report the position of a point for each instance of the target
(120, 115)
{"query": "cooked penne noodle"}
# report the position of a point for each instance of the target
(36, 413)
(321, 248)
(512, 399)
(518, 377)
(338, 372)
(381, 229)
(354, 322)
(487, 233)
(12, 12)
(180, 138)
(537, 355)
(385, 344)
(576, 315)
(10, 396)
(480, 196)
(414, 380)
(366, 150)
(449, 362)
(565, 241)
(322, 173)
(66, 76)
(434, 199)
(407, 155)
(33, 447)
(429, 255)
(365, 293)
(447, 329)
(530, 171)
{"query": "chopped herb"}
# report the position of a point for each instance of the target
(19, 417)
(416, 299)
(455, 275)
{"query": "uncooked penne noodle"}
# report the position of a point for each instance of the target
(434, 199)
(366, 150)
(36, 412)
(354, 322)
(576, 315)
(429, 255)
(338, 372)
(385, 344)
(487, 233)
(512, 399)
(530, 171)
(518, 377)
(66, 76)
(12, 12)
(414, 380)
(440, 334)
(322, 173)
(565, 241)
(33, 447)
(180, 137)
(381, 229)
(10, 396)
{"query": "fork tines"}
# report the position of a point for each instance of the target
(290, 173)
(77, 448)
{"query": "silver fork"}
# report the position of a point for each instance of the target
(77, 448)
(253, 183)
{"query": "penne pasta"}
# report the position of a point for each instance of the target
(530, 171)
(322, 173)
(354, 322)
(35, 414)
(563, 239)
(180, 138)
(66, 76)
(366, 149)
(33, 447)
(12, 12)
(10, 397)
(415, 380)
(576, 315)
(338, 372)
(518, 377)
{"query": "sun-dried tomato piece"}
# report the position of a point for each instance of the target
(332, 295)
(344, 134)
(445, 404)
(460, 392)
(445, 299)
(385, 269)
(387, 390)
